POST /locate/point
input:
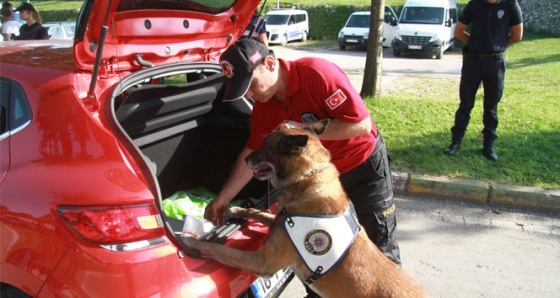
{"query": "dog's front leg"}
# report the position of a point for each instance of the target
(259, 215)
(265, 261)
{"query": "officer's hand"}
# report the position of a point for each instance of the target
(214, 212)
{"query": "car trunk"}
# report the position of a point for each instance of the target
(174, 119)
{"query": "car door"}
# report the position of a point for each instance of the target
(390, 22)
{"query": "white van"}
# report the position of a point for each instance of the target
(356, 29)
(426, 26)
(285, 25)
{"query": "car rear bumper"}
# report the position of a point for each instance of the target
(162, 271)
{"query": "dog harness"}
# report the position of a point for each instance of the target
(321, 240)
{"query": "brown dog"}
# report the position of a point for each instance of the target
(296, 162)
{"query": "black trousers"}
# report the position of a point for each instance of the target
(370, 188)
(489, 72)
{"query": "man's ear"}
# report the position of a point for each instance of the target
(292, 143)
(318, 127)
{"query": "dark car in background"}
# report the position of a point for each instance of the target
(97, 132)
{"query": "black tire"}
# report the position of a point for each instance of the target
(342, 47)
(396, 53)
(284, 40)
(439, 54)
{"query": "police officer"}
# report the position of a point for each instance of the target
(491, 22)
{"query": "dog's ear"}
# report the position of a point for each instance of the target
(291, 143)
(318, 127)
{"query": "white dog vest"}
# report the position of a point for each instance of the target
(321, 240)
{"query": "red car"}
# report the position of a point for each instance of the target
(95, 134)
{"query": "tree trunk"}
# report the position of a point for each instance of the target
(371, 85)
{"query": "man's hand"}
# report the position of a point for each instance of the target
(214, 212)
(289, 124)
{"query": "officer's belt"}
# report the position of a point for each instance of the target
(497, 56)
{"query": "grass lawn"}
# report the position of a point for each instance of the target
(416, 125)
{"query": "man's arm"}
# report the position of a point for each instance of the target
(263, 38)
(337, 129)
(516, 33)
(340, 130)
(240, 175)
(460, 32)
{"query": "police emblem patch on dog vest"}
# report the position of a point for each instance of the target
(322, 240)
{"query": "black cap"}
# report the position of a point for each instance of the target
(238, 63)
(25, 6)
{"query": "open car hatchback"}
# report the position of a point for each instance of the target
(98, 132)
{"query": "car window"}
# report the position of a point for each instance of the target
(358, 21)
(300, 18)
(15, 110)
(209, 6)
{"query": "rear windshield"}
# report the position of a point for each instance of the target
(422, 15)
(209, 6)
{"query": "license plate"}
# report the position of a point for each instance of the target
(267, 287)
(352, 40)
(414, 47)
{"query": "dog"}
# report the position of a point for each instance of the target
(295, 161)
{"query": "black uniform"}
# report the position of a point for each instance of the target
(484, 61)
(35, 31)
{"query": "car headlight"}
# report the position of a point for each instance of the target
(366, 35)
(398, 36)
(434, 38)
(341, 34)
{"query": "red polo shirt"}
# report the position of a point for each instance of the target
(317, 89)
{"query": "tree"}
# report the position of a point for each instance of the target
(371, 85)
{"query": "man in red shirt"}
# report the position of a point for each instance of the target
(309, 89)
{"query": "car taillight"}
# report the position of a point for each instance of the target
(113, 224)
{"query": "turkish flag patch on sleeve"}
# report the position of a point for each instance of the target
(336, 99)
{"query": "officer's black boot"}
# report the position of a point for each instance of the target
(488, 150)
(454, 147)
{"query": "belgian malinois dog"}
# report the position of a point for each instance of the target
(334, 262)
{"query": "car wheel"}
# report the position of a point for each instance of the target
(304, 36)
(396, 53)
(284, 40)
(342, 47)
(439, 54)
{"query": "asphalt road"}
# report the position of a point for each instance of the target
(464, 250)
(352, 61)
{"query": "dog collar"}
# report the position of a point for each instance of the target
(321, 240)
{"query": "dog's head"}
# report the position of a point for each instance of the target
(290, 154)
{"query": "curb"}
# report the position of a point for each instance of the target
(481, 192)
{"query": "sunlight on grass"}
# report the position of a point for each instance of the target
(416, 126)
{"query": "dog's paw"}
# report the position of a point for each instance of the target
(191, 245)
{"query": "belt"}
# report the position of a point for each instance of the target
(496, 56)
